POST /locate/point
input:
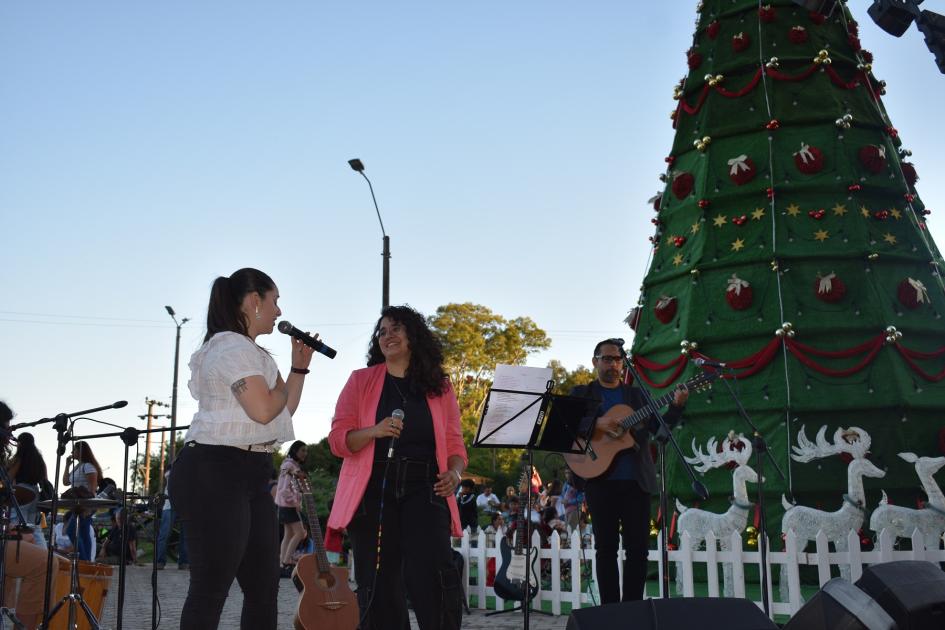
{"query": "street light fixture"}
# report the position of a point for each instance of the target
(358, 165)
(173, 444)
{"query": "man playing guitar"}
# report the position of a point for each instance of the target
(619, 499)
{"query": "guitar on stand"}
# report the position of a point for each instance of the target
(604, 445)
(326, 601)
(510, 578)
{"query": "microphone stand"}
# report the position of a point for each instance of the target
(760, 446)
(60, 423)
(662, 436)
(129, 436)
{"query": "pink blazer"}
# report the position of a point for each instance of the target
(357, 409)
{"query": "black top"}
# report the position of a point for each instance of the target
(113, 542)
(416, 440)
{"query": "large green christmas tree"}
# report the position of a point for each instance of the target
(791, 244)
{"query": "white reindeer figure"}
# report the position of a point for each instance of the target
(805, 521)
(903, 521)
(700, 522)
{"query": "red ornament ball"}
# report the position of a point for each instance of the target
(665, 309)
(694, 59)
(817, 18)
(740, 221)
(683, 184)
(854, 43)
(766, 14)
(712, 30)
(809, 160)
(740, 42)
(908, 171)
(829, 288)
(797, 35)
(853, 28)
(867, 56)
(910, 295)
(741, 170)
(739, 294)
(873, 158)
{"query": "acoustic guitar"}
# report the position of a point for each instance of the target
(326, 601)
(510, 578)
(604, 445)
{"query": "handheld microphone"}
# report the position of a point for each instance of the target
(396, 414)
(708, 363)
(286, 328)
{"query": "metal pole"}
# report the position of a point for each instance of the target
(147, 449)
(173, 444)
(386, 286)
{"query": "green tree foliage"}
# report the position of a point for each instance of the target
(566, 380)
(475, 340)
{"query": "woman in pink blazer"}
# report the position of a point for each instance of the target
(397, 427)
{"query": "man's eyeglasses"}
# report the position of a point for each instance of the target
(608, 358)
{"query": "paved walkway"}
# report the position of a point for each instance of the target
(172, 589)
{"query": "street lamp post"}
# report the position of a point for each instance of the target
(173, 444)
(358, 166)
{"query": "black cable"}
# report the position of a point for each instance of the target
(380, 531)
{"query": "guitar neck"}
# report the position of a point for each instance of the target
(316, 531)
(646, 411)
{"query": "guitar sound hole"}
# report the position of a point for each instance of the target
(325, 581)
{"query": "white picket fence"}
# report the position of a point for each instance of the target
(477, 549)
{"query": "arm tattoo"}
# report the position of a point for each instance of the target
(238, 387)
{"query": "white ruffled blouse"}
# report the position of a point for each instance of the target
(220, 419)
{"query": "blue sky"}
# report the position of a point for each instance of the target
(147, 148)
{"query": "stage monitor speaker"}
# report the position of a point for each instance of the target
(705, 613)
(911, 591)
(841, 606)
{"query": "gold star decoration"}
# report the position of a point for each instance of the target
(839, 209)
(821, 235)
(719, 220)
(694, 228)
(758, 213)
(889, 238)
(737, 244)
(865, 211)
(677, 260)
(793, 210)
(895, 213)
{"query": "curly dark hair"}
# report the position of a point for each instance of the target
(425, 372)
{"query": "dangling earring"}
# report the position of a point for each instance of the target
(257, 311)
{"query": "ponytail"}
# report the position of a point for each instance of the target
(226, 299)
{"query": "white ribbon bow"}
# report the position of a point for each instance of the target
(805, 153)
(736, 284)
(921, 295)
(738, 164)
(826, 286)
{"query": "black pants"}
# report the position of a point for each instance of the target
(619, 508)
(415, 551)
(222, 496)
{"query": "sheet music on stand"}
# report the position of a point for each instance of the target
(514, 409)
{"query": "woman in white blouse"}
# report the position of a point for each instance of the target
(82, 471)
(220, 481)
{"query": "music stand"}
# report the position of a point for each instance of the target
(519, 418)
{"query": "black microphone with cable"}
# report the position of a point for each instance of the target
(396, 414)
(709, 363)
(286, 328)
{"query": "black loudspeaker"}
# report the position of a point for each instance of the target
(911, 591)
(841, 606)
(705, 613)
